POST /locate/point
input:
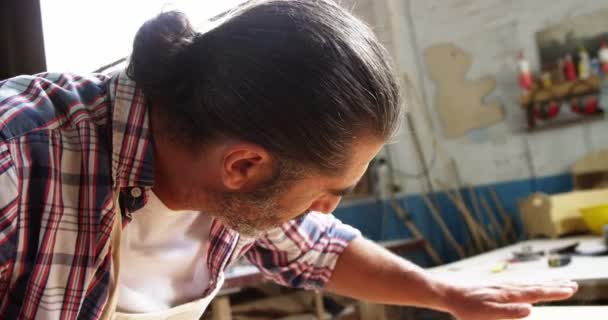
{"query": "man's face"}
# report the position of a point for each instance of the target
(237, 183)
(278, 201)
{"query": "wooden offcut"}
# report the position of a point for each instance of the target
(559, 214)
(591, 171)
(593, 162)
(460, 100)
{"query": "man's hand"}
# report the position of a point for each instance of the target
(504, 301)
(368, 272)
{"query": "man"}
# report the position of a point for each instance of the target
(128, 196)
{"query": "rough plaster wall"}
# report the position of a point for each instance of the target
(493, 31)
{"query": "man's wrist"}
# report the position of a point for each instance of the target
(447, 296)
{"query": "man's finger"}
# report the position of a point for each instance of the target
(535, 294)
(552, 284)
(508, 310)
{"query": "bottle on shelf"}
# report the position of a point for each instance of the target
(596, 69)
(559, 75)
(603, 57)
(569, 68)
(584, 64)
(526, 80)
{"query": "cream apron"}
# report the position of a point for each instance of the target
(188, 311)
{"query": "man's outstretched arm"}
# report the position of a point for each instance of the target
(369, 272)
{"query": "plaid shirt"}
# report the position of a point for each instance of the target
(66, 143)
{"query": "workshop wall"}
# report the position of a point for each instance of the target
(493, 32)
(502, 155)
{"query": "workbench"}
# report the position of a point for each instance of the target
(569, 313)
(591, 272)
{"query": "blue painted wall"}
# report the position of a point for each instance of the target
(377, 220)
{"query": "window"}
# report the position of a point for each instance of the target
(82, 36)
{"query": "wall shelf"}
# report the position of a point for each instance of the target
(562, 94)
(566, 123)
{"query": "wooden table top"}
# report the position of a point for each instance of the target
(479, 269)
(569, 313)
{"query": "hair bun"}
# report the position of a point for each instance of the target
(156, 48)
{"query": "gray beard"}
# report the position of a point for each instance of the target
(249, 217)
(253, 214)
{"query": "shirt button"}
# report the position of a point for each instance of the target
(136, 192)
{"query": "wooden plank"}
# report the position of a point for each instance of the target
(220, 308)
(292, 303)
(370, 311)
(319, 307)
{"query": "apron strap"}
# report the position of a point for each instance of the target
(110, 307)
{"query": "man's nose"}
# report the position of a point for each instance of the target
(326, 204)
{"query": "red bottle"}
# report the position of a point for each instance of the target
(526, 80)
(552, 109)
(603, 57)
(569, 68)
(575, 106)
(591, 105)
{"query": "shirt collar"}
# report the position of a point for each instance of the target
(132, 147)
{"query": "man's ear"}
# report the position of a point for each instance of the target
(245, 165)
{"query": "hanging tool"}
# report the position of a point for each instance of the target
(405, 217)
(499, 231)
(475, 203)
(506, 217)
(456, 181)
(468, 219)
(444, 228)
(425, 169)
(477, 232)
(476, 209)
(479, 216)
